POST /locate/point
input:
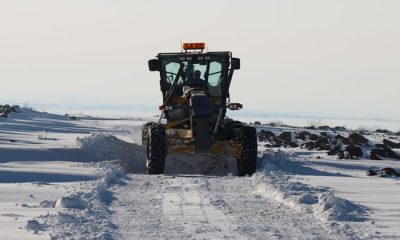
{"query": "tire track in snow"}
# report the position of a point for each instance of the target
(258, 217)
(204, 207)
(184, 205)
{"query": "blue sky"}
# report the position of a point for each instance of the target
(331, 57)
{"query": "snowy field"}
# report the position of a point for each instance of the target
(84, 178)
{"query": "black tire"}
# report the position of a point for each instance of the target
(156, 149)
(247, 163)
(145, 130)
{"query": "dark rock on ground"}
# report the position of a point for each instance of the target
(342, 140)
(7, 109)
(384, 172)
(308, 145)
(314, 137)
(333, 151)
(321, 141)
(378, 153)
(324, 134)
(357, 139)
(341, 129)
(354, 151)
(325, 128)
(380, 145)
(322, 144)
(388, 172)
(391, 144)
(371, 172)
(265, 135)
(285, 137)
(310, 127)
(383, 131)
(304, 135)
(292, 145)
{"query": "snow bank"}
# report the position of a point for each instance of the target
(133, 157)
(104, 147)
(273, 182)
(85, 213)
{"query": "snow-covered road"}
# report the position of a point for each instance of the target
(206, 207)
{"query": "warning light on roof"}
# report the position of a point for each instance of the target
(194, 46)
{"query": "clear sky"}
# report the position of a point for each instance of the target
(339, 56)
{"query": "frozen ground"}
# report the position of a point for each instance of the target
(66, 179)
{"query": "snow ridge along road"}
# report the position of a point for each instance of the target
(67, 182)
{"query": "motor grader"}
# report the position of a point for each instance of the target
(195, 89)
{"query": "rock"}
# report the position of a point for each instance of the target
(321, 141)
(303, 135)
(7, 109)
(342, 140)
(306, 136)
(324, 134)
(322, 144)
(357, 139)
(388, 172)
(314, 137)
(333, 151)
(383, 131)
(257, 123)
(371, 172)
(285, 137)
(377, 153)
(308, 145)
(380, 145)
(354, 151)
(391, 144)
(340, 129)
(325, 128)
(310, 128)
(397, 134)
(264, 136)
(292, 144)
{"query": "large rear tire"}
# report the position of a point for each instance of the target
(247, 163)
(156, 149)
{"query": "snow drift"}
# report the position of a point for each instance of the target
(133, 157)
(84, 214)
(276, 181)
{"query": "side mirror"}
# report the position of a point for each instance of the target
(235, 63)
(235, 106)
(154, 65)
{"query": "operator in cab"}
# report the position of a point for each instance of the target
(196, 81)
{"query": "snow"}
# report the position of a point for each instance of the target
(85, 179)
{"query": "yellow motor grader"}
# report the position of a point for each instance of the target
(195, 88)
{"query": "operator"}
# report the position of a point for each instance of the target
(196, 81)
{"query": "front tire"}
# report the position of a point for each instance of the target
(156, 149)
(247, 163)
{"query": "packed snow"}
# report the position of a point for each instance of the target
(82, 177)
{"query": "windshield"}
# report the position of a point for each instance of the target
(207, 74)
